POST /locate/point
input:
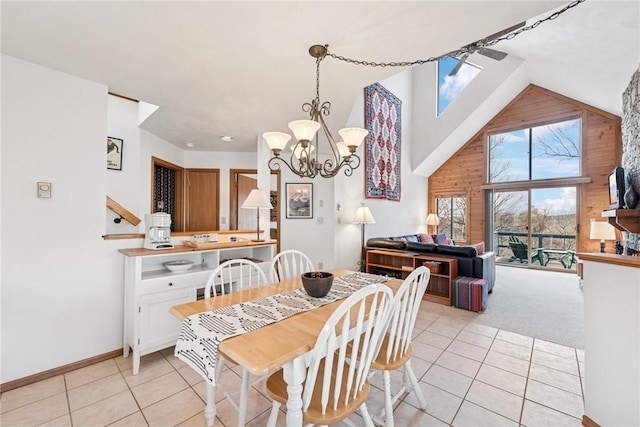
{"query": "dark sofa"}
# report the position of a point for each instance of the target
(470, 263)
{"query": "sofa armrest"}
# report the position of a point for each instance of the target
(489, 268)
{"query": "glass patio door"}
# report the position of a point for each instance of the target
(535, 227)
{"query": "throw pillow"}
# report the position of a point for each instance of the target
(399, 239)
(479, 247)
(441, 239)
(426, 238)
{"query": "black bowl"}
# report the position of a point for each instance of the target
(317, 283)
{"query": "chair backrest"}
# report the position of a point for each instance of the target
(234, 275)
(363, 315)
(289, 264)
(404, 312)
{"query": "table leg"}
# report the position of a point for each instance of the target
(210, 409)
(294, 374)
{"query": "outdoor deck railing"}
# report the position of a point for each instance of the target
(539, 240)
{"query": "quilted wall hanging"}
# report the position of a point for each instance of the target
(383, 116)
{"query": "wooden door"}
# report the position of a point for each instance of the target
(203, 199)
(246, 217)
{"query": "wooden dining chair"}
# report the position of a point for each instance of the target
(334, 389)
(396, 350)
(232, 276)
(289, 264)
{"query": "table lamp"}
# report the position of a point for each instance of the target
(601, 230)
(257, 199)
(433, 220)
(363, 216)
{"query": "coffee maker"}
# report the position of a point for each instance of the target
(158, 235)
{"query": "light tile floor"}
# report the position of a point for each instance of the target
(470, 374)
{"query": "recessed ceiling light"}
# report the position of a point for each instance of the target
(226, 138)
(190, 144)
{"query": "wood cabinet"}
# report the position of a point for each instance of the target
(151, 290)
(400, 264)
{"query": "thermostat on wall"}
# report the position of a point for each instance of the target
(44, 189)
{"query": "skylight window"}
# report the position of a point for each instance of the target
(450, 86)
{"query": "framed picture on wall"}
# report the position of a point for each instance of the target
(299, 200)
(114, 153)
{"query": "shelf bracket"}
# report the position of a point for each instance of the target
(124, 213)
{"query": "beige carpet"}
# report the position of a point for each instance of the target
(541, 304)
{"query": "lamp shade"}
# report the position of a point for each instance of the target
(432, 219)
(353, 136)
(276, 140)
(601, 230)
(363, 216)
(257, 199)
(304, 130)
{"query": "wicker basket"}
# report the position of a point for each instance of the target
(434, 266)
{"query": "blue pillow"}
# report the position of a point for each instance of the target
(441, 239)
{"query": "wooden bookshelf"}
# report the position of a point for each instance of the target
(400, 264)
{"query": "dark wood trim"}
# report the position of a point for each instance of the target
(233, 194)
(122, 96)
(588, 422)
(10, 385)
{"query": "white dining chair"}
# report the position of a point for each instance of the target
(396, 350)
(232, 276)
(333, 388)
(289, 264)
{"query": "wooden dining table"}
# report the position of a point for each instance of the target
(282, 344)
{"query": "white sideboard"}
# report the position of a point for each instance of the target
(611, 285)
(151, 290)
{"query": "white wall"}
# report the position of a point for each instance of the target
(439, 137)
(124, 186)
(392, 218)
(59, 304)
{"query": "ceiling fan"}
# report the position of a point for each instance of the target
(479, 47)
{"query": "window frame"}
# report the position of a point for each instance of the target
(449, 233)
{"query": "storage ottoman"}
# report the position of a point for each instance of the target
(470, 293)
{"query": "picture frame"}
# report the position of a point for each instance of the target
(114, 153)
(299, 200)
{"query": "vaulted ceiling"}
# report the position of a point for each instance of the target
(241, 68)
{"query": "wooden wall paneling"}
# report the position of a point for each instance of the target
(466, 171)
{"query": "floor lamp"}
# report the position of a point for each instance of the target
(432, 220)
(363, 217)
(257, 200)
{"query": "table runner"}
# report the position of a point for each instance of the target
(202, 333)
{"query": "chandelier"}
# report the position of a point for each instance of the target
(304, 158)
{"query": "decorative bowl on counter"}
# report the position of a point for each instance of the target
(317, 283)
(178, 265)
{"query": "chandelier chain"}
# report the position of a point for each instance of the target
(462, 50)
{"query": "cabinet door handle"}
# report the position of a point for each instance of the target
(170, 284)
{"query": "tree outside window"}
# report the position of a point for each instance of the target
(452, 212)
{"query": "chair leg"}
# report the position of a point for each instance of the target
(210, 409)
(388, 403)
(244, 397)
(365, 415)
(273, 416)
(414, 385)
